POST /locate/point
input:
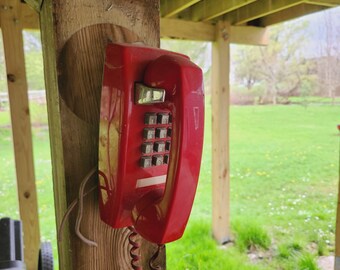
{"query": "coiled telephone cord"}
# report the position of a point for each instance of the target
(154, 258)
(134, 251)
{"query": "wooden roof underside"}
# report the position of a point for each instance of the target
(195, 19)
(242, 12)
(237, 12)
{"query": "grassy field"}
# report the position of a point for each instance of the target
(284, 172)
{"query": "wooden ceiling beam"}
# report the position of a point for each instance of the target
(249, 35)
(326, 3)
(201, 31)
(170, 8)
(180, 29)
(259, 9)
(289, 14)
(210, 9)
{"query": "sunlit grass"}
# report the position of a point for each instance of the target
(250, 235)
(284, 171)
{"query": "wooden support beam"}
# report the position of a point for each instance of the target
(249, 35)
(326, 3)
(337, 228)
(180, 29)
(220, 134)
(21, 128)
(259, 9)
(210, 9)
(288, 14)
(35, 4)
(29, 17)
(75, 34)
(170, 8)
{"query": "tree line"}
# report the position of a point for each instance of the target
(283, 68)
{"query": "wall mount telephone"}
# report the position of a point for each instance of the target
(150, 140)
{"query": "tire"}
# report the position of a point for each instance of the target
(45, 256)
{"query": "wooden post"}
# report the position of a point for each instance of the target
(21, 128)
(220, 133)
(75, 34)
(337, 228)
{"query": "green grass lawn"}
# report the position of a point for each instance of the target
(284, 172)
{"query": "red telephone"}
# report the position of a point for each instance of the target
(150, 140)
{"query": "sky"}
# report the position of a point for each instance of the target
(322, 26)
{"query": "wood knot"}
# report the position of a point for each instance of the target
(11, 77)
(225, 172)
(27, 194)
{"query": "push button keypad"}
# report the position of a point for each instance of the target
(156, 139)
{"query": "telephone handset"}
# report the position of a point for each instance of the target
(150, 141)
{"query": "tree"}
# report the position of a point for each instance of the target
(280, 66)
(198, 51)
(328, 60)
(245, 62)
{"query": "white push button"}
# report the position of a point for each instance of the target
(145, 162)
(161, 133)
(149, 133)
(147, 148)
(157, 160)
(150, 119)
(159, 146)
(163, 118)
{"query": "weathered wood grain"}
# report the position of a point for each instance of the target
(21, 127)
(74, 35)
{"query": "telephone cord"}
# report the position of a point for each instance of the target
(81, 208)
(154, 258)
(79, 200)
(134, 251)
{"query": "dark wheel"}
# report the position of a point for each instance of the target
(45, 256)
